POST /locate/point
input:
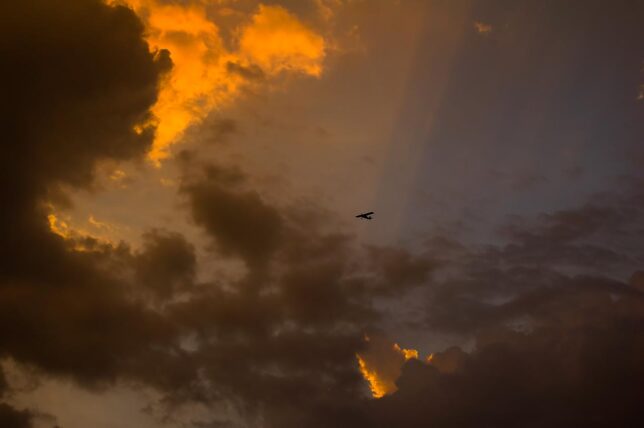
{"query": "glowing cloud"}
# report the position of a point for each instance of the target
(482, 28)
(203, 77)
(79, 238)
(276, 41)
(378, 387)
(381, 365)
(58, 227)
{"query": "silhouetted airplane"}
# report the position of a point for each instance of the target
(366, 216)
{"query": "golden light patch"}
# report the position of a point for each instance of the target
(57, 226)
(482, 28)
(407, 353)
(100, 225)
(376, 385)
(194, 84)
(381, 365)
(77, 237)
(117, 175)
(276, 41)
(272, 40)
(167, 182)
(326, 8)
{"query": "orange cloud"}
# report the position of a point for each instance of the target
(276, 41)
(79, 238)
(382, 363)
(272, 39)
(57, 226)
(482, 28)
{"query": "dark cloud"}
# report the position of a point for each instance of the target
(79, 79)
(12, 418)
(284, 337)
(9, 416)
(240, 221)
(213, 130)
(595, 246)
(601, 235)
(251, 72)
(3, 383)
(581, 367)
(167, 263)
(399, 269)
(274, 338)
(223, 128)
(637, 280)
(559, 330)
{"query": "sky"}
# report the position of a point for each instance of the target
(180, 179)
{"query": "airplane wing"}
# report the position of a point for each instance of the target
(365, 215)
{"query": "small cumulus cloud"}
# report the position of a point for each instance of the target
(277, 41)
(327, 8)
(167, 182)
(119, 178)
(483, 28)
(100, 225)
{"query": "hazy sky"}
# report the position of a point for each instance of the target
(180, 180)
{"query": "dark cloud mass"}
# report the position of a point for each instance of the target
(581, 367)
(167, 263)
(77, 79)
(556, 345)
(243, 224)
(11, 418)
(554, 306)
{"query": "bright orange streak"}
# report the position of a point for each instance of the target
(74, 236)
(58, 227)
(408, 353)
(381, 366)
(378, 388)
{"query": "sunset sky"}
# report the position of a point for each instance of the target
(180, 179)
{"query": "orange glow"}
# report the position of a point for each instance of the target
(482, 28)
(191, 89)
(75, 235)
(407, 353)
(273, 40)
(57, 226)
(377, 386)
(381, 365)
(277, 41)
